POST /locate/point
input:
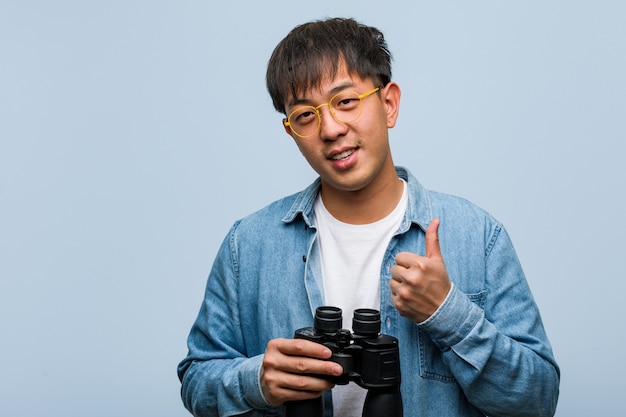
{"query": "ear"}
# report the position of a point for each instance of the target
(287, 128)
(391, 96)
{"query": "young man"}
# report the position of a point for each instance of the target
(366, 234)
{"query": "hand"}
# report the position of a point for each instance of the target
(287, 368)
(419, 284)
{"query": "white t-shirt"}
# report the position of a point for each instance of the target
(351, 257)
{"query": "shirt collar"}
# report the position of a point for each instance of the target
(418, 208)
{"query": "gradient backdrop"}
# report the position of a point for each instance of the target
(133, 133)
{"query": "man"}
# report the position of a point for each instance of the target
(366, 234)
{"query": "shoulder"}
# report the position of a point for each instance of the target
(462, 221)
(426, 205)
(272, 213)
(270, 224)
(459, 207)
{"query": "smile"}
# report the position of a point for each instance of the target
(342, 155)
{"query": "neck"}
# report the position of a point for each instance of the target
(367, 205)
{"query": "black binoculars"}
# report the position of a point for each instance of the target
(368, 358)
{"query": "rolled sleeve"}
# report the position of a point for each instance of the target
(453, 320)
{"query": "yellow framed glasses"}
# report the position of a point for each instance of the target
(345, 107)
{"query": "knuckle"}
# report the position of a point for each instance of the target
(403, 295)
(272, 345)
(268, 363)
(300, 382)
(299, 345)
(270, 381)
(415, 278)
(301, 366)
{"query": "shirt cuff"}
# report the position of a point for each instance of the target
(453, 321)
(253, 393)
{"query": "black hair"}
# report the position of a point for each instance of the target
(314, 51)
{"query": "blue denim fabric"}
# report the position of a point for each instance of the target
(484, 352)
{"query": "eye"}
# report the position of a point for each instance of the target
(346, 101)
(304, 116)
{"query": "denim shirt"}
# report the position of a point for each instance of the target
(483, 352)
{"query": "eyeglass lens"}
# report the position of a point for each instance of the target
(345, 107)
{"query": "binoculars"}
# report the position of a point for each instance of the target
(368, 358)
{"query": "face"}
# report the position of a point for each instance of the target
(351, 156)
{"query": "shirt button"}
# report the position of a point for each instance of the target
(388, 323)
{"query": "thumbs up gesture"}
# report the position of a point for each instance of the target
(419, 284)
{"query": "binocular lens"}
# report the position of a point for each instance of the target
(366, 322)
(328, 319)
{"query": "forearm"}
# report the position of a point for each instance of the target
(504, 377)
(220, 375)
(224, 387)
(500, 375)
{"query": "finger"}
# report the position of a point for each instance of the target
(279, 387)
(300, 356)
(433, 250)
(404, 260)
(394, 284)
(302, 347)
(304, 365)
(307, 383)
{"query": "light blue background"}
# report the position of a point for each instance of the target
(133, 133)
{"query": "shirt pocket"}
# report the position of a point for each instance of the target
(432, 365)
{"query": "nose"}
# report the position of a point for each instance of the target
(330, 128)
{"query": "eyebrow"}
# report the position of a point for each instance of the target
(332, 92)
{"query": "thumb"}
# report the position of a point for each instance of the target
(432, 240)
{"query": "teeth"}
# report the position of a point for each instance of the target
(342, 155)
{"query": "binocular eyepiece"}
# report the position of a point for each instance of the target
(368, 358)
